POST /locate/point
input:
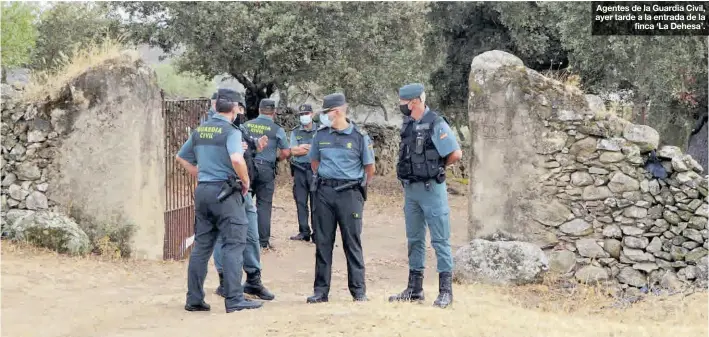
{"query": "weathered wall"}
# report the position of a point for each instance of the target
(96, 154)
(549, 165)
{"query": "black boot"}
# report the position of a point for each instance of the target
(220, 289)
(300, 237)
(244, 304)
(413, 291)
(445, 290)
(360, 298)
(317, 298)
(199, 307)
(254, 287)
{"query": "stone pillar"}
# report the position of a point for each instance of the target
(108, 169)
(507, 113)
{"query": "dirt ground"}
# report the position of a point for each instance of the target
(45, 294)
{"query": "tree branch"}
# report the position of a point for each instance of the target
(244, 81)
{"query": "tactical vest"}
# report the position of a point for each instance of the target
(264, 126)
(303, 136)
(418, 158)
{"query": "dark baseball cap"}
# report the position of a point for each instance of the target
(333, 101)
(228, 95)
(267, 104)
(240, 99)
(305, 108)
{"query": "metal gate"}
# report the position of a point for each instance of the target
(181, 117)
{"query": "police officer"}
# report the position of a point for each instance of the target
(214, 154)
(300, 139)
(266, 160)
(427, 146)
(342, 157)
(252, 255)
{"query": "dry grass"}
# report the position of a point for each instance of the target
(46, 85)
(48, 294)
(142, 298)
(566, 77)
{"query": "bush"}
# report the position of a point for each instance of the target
(19, 33)
(178, 85)
(47, 84)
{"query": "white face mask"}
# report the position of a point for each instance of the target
(325, 120)
(305, 119)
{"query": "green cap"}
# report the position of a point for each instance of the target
(411, 91)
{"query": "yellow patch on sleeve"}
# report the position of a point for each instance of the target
(443, 135)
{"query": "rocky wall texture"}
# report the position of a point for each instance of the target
(550, 166)
(94, 153)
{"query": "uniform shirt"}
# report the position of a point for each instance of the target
(342, 154)
(443, 137)
(294, 141)
(263, 125)
(210, 147)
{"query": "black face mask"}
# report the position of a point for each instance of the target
(405, 109)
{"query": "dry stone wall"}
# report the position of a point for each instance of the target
(551, 166)
(95, 153)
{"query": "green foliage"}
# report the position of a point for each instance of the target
(182, 85)
(466, 29)
(667, 73)
(365, 49)
(69, 26)
(19, 33)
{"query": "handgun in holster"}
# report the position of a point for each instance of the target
(363, 188)
(441, 177)
(231, 186)
(314, 183)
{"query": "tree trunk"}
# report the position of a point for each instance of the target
(255, 92)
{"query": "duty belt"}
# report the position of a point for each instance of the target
(261, 161)
(336, 182)
(426, 183)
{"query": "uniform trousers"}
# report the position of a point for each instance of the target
(343, 208)
(226, 219)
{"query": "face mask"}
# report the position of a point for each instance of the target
(305, 119)
(325, 120)
(405, 109)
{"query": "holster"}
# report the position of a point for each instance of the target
(231, 186)
(314, 183)
(363, 189)
(441, 177)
